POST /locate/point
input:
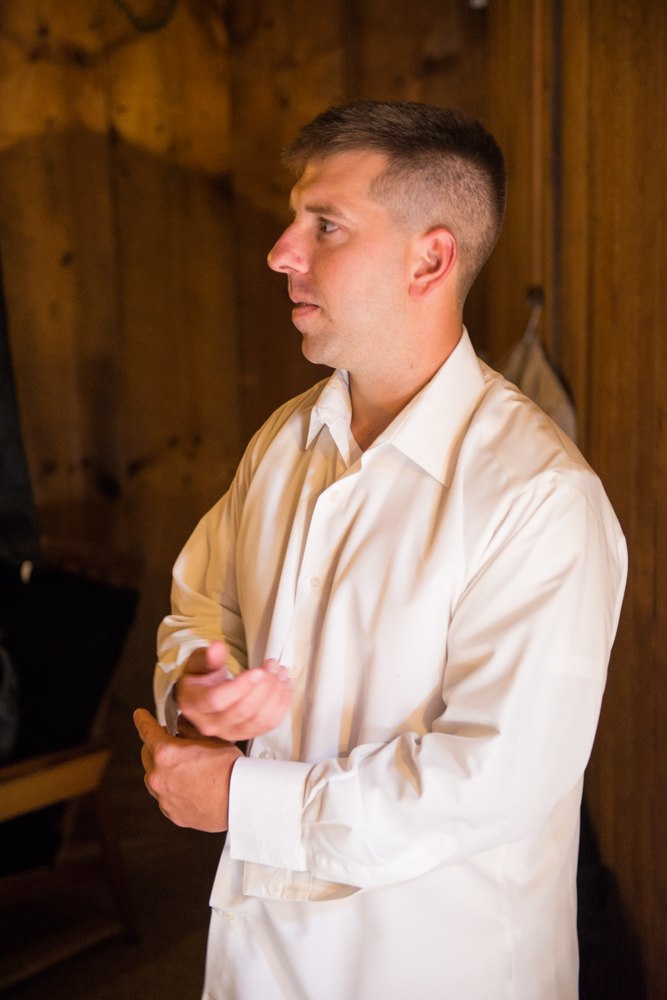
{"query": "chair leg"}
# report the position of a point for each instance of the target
(67, 826)
(115, 869)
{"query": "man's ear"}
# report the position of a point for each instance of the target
(436, 253)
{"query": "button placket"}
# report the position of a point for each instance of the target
(325, 528)
(322, 532)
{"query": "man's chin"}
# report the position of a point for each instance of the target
(318, 351)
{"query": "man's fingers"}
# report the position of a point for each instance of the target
(256, 685)
(149, 729)
(278, 670)
(259, 711)
(208, 678)
(197, 695)
(252, 703)
(242, 726)
(207, 660)
(267, 694)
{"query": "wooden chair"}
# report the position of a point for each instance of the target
(40, 792)
(31, 785)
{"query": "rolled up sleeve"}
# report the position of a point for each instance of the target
(204, 598)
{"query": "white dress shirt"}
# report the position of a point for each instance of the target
(446, 603)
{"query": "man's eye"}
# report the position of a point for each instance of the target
(326, 226)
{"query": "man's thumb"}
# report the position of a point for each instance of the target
(148, 727)
(216, 656)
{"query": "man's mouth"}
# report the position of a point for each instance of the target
(302, 307)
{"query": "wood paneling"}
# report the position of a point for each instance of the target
(286, 67)
(614, 147)
(116, 238)
(522, 257)
(58, 254)
(180, 394)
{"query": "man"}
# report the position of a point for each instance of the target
(417, 579)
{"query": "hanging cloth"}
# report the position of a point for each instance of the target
(528, 367)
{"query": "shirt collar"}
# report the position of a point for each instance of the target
(334, 409)
(429, 429)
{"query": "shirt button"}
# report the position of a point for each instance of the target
(315, 582)
(335, 496)
(293, 671)
(229, 916)
(266, 755)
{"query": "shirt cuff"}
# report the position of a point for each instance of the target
(265, 808)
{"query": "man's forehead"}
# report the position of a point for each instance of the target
(326, 184)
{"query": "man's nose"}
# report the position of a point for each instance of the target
(286, 255)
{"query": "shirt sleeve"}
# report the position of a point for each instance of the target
(528, 647)
(204, 598)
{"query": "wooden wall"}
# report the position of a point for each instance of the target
(140, 190)
(613, 316)
(116, 228)
(598, 245)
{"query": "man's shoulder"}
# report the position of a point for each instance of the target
(517, 468)
(511, 434)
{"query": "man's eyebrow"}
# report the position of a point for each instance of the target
(326, 210)
(329, 209)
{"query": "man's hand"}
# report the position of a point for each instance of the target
(189, 777)
(247, 706)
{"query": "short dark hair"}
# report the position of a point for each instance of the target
(444, 169)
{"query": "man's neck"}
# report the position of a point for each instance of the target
(379, 397)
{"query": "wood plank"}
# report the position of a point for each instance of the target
(58, 783)
(573, 250)
(509, 272)
(20, 768)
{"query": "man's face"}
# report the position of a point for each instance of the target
(347, 266)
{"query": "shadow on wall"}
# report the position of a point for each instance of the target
(611, 965)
